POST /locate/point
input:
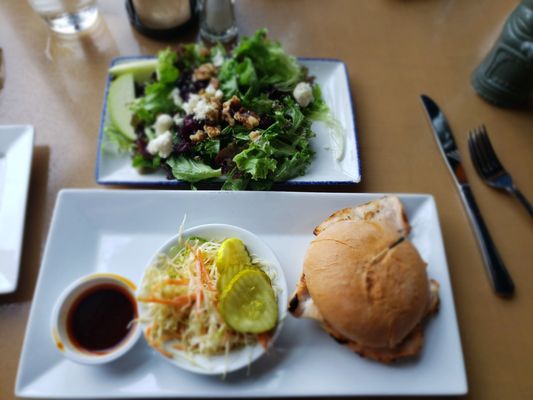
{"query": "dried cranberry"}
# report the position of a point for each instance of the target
(168, 171)
(276, 94)
(182, 147)
(186, 86)
(141, 145)
(190, 126)
(199, 85)
(265, 121)
(224, 158)
(139, 90)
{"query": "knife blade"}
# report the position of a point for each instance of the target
(499, 277)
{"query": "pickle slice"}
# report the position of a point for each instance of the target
(227, 274)
(232, 252)
(248, 304)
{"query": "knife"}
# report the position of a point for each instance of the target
(498, 275)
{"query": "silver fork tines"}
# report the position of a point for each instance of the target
(489, 167)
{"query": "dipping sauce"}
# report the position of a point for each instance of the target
(101, 318)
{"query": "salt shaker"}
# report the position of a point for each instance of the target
(505, 77)
(217, 20)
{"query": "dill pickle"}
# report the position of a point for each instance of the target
(248, 304)
(232, 252)
(227, 274)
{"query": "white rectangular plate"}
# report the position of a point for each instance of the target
(16, 148)
(118, 231)
(114, 168)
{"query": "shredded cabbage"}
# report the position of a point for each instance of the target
(180, 301)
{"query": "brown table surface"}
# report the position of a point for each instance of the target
(394, 51)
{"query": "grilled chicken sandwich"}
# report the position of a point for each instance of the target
(366, 283)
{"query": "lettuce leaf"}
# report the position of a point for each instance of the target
(256, 162)
(139, 161)
(165, 69)
(188, 170)
(115, 140)
(274, 67)
(157, 97)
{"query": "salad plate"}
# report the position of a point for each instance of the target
(16, 148)
(119, 231)
(114, 167)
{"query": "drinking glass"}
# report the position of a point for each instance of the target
(66, 16)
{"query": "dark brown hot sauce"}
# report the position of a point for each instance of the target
(101, 318)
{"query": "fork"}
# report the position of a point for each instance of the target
(490, 168)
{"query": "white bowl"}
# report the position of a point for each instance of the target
(59, 320)
(236, 359)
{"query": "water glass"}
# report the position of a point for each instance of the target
(67, 16)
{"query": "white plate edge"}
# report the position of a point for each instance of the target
(23, 391)
(25, 129)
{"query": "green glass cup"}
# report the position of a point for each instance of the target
(505, 76)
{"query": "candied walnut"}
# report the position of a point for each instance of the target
(215, 83)
(204, 72)
(198, 136)
(228, 109)
(213, 113)
(248, 118)
(212, 131)
(254, 135)
(204, 51)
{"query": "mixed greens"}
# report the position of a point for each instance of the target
(243, 117)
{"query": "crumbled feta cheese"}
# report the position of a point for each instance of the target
(161, 145)
(176, 97)
(162, 123)
(178, 120)
(199, 107)
(254, 136)
(189, 106)
(212, 92)
(203, 108)
(218, 59)
(303, 94)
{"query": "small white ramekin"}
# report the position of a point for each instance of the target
(65, 302)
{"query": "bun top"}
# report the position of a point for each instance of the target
(368, 282)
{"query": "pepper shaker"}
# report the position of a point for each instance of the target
(217, 20)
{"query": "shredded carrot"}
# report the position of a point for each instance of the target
(177, 281)
(147, 332)
(205, 276)
(178, 346)
(198, 288)
(264, 339)
(163, 351)
(178, 301)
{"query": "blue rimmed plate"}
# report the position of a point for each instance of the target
(114, 168)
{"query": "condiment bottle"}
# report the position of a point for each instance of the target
(161, 19)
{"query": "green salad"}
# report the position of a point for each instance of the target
(243, 117)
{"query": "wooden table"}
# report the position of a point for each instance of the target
(394, 51)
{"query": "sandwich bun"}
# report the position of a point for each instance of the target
(368, 282)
